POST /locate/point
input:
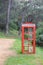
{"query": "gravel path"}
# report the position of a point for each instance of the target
(5, 51)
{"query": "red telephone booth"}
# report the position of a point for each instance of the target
(28, 38)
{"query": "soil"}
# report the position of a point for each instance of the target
(5, 51)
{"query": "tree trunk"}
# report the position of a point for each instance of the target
(8, 16)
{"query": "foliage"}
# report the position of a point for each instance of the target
(39, 34)
(13, 25)
(3, 11)
(20, 9)
(12, 34)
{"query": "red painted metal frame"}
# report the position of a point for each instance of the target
(34, 38)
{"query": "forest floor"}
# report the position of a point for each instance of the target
(5, 51)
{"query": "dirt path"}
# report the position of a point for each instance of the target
(5, 52)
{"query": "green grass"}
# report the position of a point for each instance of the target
(2, 35)
(25, 59)
(11, 34)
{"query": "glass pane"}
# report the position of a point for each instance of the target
(30, 35)
(26, 36)
(25, 43)
(26, 48)
(30, 48)
(26, 30)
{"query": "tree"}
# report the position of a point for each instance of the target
(10, 12)
(3, 8)
(8, 16)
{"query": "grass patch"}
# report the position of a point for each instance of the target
(11, 34)
(25, 59)
(2, 35)
(17, 46)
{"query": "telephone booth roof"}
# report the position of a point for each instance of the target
(28, 25)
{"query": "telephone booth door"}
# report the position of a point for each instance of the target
(28, 38)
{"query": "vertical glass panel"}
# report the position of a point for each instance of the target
(26, 48)
(30, 48)
(30, 29)
(28, 33)
(25, 42)
(26, 30)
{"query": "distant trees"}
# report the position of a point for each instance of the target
(3, 9)
(13, 12)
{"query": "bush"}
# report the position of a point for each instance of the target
(39, 34)
(13, 25)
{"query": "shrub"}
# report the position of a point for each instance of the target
(39, 34)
